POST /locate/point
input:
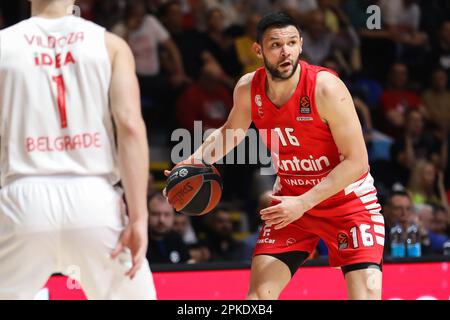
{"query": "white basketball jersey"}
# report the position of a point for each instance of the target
(54, 103)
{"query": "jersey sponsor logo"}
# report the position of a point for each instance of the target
(305, 105)
(302, 182)
(51, 42)
(45, 59)
(304, 165)
(63, 143)
(265, 235)
(342, 240)
(266, 240)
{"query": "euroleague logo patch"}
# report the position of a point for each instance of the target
(305, 105)
(342, 240)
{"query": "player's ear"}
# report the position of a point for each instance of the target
(257, 49)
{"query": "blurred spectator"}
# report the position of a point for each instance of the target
(424, 219)
(107, 13)
(433, 222)
(260, 7)
(319, 43)
(402, 20)
(182, 226)
(244, 46)
(375, 62)
(427, 185)
(232, 10)
(330, 10)
(219, 237)
(397, 210)
(441, 221)
(437, 99)
(402, 17)
(206, 100)
(298, 9)
(397, 99)
(164, 244)
(189, 42)
(366, 120)
(144, 33)
(440, 53)
(220, 45)
(415, 145)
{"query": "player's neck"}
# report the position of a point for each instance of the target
(277, 89)
(51, 9)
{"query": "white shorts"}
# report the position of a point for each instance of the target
(67, 225)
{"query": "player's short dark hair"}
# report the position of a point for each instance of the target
(274, 20)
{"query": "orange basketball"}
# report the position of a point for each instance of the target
(194, 189)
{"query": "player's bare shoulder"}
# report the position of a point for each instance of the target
(327, 84)
(331, 92)
(115, 45)
(243, 90)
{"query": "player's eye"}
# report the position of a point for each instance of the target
(275, 45)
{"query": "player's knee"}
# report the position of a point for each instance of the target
(262, 293)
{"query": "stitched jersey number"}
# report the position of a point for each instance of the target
(61, 99)
(292, 139)
(366, 237)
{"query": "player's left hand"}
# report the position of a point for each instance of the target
(286, 211)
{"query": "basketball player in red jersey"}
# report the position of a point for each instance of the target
(323, 187)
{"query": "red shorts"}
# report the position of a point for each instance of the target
(356, 237)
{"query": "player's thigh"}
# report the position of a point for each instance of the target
(364, 284)
(88, 260)
(352, 239)
(268, 277)
(28, 245)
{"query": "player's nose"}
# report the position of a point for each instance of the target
(285, 51)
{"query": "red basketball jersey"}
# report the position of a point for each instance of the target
(302, 146)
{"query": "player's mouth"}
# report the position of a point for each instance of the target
(286, 64)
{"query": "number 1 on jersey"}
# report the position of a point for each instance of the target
(61, 99)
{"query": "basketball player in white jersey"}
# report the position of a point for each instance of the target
(70, 129)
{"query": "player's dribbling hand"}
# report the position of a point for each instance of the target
(286, 211)
(135, 238)
(189, 160)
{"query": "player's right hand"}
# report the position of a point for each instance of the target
(135, 238)
(189, 160)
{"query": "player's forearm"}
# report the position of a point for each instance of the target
(133, 156)
(343, 175)
(219, 144)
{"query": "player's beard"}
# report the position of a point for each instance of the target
(277, 75)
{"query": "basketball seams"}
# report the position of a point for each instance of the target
(188, 194)
(195, 193)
